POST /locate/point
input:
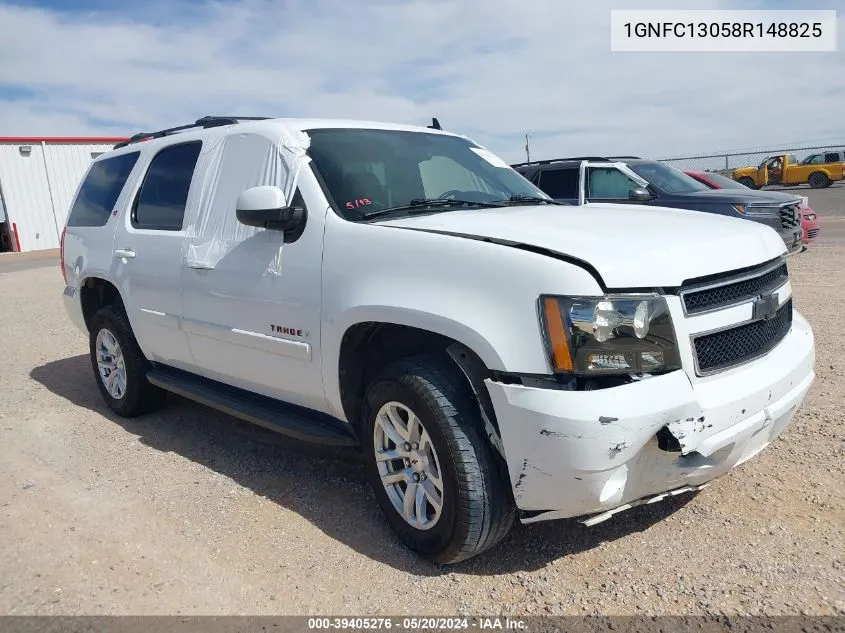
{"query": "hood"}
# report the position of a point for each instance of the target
(778, 197)
(746, 196)
(630, 247)
(745, 171)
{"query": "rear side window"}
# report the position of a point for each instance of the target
(832, 157)
(559, 183)
(100, 190)
(160, 204)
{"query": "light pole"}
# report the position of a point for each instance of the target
(527, 150)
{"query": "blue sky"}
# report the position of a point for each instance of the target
(492, 70)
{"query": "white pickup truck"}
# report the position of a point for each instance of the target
(494, 354)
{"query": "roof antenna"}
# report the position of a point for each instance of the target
(435, 124)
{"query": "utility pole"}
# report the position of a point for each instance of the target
(527, 150)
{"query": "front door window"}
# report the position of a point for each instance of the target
(608, 183)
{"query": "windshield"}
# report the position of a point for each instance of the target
(724, 182)
(367, 170)
(667, 178)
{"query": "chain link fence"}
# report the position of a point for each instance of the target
(727, 162)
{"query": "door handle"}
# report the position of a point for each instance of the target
(120, 253)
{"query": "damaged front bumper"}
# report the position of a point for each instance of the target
(575, 453)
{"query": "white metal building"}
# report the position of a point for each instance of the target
(38, 178)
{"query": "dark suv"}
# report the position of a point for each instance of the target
(634, 180)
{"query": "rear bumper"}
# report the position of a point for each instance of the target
(73, 307)
(573, 453)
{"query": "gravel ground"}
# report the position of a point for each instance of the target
(187, 511)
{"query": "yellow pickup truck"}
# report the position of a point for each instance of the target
(785, 170)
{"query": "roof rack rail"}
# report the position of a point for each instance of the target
(203, 122)
(559, 160)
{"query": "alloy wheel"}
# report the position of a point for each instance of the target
(408, 465)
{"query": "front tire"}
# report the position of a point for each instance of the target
(120, 366)
(818, 180)
(435, 476)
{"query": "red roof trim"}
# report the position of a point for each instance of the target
(63, 139)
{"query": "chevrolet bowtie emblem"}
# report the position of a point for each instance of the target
(765, 307)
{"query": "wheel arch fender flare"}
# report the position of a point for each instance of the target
(469, 339)
(476, 372)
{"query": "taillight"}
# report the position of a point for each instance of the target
(62, 253)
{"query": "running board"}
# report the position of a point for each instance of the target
(296, 422)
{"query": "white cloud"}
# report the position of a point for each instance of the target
(492, 70)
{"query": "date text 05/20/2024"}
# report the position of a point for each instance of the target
(410, 623)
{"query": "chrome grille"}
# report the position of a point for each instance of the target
(789, 216)
(733, 289)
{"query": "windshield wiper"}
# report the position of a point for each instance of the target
(421, 205)
(528, 199)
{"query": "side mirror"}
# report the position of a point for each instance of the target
(267, 208)
(639, 195)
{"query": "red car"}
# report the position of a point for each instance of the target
(809, 220)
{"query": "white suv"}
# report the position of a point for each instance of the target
(493, 353)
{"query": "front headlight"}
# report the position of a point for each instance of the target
(614, 334)
(757, 212)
